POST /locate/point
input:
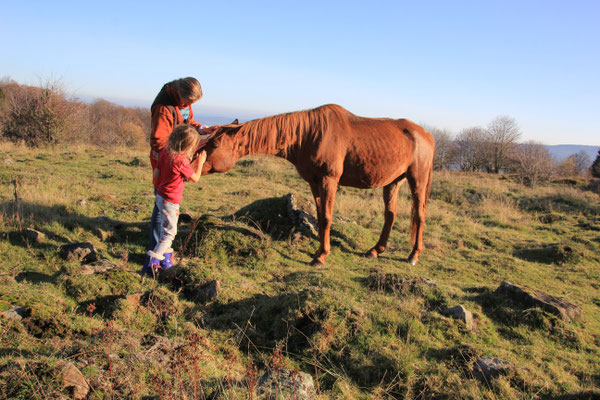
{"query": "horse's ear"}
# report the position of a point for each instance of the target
(235, 121)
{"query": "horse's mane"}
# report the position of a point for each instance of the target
(280, 133)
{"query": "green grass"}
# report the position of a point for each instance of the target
(358, 339)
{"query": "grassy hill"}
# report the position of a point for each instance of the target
(357, 335)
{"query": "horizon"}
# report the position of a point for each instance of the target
(449, 66)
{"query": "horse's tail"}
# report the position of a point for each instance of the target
(415, 206)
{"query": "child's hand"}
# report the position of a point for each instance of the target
(202, 157)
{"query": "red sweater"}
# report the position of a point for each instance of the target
(174, 169)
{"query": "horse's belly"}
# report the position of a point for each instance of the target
(371, 176)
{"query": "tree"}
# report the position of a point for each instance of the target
(532, 163)
(470, 149)
(595, 168)
(576, 164)
(443, 148)
(502, 136)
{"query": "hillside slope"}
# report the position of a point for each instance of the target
(361, 328)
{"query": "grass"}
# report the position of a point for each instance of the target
(356, 337)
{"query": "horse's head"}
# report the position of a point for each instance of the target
(221, 152)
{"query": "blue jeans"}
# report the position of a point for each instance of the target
(154, 226)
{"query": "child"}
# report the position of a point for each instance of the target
(173, 169)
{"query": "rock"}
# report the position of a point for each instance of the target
(84, 252)
(16, 313)
(536, 298)
(72, 378)
(209, 291)
(98, 267)
(33, 236)
(300, 214)
(487, 368)
(461, 313)
(7, 161)
(286, 384)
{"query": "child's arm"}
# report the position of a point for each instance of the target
(197, 165)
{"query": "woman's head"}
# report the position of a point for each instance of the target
(184, 140)
(189, 90)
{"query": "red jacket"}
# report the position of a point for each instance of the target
(165, 117)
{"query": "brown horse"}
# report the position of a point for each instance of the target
(330, 146)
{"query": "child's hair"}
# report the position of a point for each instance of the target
(189, 88)
(183, 139)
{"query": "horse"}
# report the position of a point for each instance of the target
(330, 146)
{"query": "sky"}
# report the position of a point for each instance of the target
(445, 64)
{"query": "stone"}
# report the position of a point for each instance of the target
(536, 298)
(486, 368)
(73, 378)
(84, 252)
(286, 384)
(15, 313)
(461, 313)
(300, 214)
(33, 236)
(98, 267)
(210, 291)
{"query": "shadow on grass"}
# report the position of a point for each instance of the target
(106, 229)
(38, 277)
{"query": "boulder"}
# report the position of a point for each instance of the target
(84, 252)
(300, 212)
(536, 298)
(461, 313)
(33, 236)
(285, 384)
(486, 368)
(72, 378)
(15, 313)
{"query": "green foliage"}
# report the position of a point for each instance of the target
(595, 168)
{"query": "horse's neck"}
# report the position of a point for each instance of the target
(271, 146)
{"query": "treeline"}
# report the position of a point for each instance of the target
(496, 149)
(46, 115)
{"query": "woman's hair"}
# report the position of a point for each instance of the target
(183, 139)
(188, 88)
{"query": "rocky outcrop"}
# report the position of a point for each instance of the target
(300, 212)
(286, 384)
(536, 298)
(84, 252)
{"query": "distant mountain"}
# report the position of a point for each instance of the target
(562, 151)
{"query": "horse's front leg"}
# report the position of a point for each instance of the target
(326, 190)
(390, 200)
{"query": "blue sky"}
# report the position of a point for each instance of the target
(448, 64)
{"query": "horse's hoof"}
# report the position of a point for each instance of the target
(371, 254)
(412, 261)
(317, 263)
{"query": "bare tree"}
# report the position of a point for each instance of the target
(582, 162)
(443, 147)
(502, 136)
(532, 163)
(470, 149)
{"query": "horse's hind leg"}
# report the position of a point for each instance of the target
(390, 200)
(420, 185)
